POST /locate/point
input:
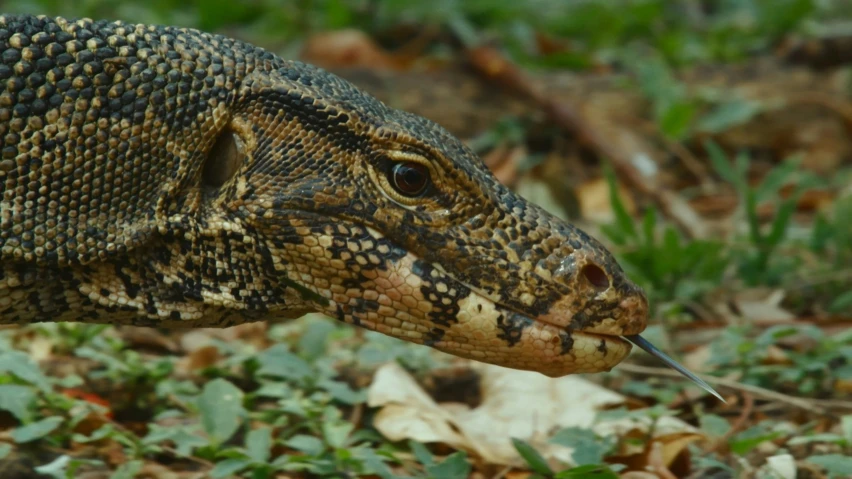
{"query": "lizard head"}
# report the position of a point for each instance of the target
(401, 229)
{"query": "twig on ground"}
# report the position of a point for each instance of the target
(698, 169)
(819, 406)
(169, 449)
(357, 413)
(739, 423)
(497, 68)
(831, 102)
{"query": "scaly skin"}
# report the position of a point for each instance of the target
(163, 176)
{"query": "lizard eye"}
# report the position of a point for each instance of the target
(409, 178)
(223, 160)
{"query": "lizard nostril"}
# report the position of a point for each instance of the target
(596, 276)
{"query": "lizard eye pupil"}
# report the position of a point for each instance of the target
(410, 178)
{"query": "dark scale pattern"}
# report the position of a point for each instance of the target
(111, 132)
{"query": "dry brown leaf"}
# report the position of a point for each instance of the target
(638, 475)
(518, 475)
(517, 404)
(595, 203)
(843, 386)
(346, 49)
(775, 355)
(147, 337)
(408, 412)
(503, 161)
(656, 461)
(200, 358)
(198, 338)
(675, 444)
(660, 457)
(763, 305)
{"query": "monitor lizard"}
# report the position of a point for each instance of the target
(162, 176)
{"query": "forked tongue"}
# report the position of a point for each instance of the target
(653, 351)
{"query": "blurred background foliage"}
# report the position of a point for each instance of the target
(683, 32)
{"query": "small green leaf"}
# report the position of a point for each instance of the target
(274, 390)
(775, 179)
(336, 433)
(676, 119)
(341, 391)
(588, 447)
(421, 453)
(719, 159)
(593, 471)
(5, 449)
(533, 458)
(843, 302)
(822, 438)
(128, 470)
(837, 465)
(648, 224)
(186, 442)
(714, 425)
(22, 366)
(17, 400)
(727, 115)
(846, 427)
(279, 362)
(56, 468)
(312, 344)
(221, 408)
(622, 218)
(228, 467)
(780, 223)
(258, 444)
(752, 217)
(375, 463)
(710, 463)
(455, 466)
(36, 430)
(310, 445)
(747, 440)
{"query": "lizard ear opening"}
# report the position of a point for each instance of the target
(223, 160)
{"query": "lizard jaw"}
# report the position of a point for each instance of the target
(412, 300)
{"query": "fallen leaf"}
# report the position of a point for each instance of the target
(763, 305)
(347, 49)
(675, 444)
(638, 475)
(515, 404)
(595, 204)
(91, 398)
(147, 337)
(200, 358)
(41, 348)
(782, 466)
(408, 412)
(843, 386)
